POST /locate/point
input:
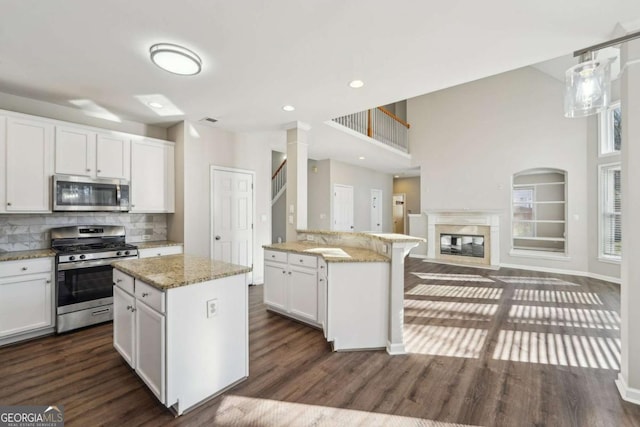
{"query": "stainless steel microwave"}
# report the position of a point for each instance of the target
(79, 193)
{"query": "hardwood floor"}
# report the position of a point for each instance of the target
(503, 348)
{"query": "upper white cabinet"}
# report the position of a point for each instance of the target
(29, 161)
(152, 176)
(85, 153)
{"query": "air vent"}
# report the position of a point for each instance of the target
(208, 120)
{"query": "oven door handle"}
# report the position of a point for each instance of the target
(91, 263)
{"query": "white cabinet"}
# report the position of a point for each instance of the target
(139, 331)
(159, 251)
(291, 285)
(26, 299)
(150, 345)
(124, 324)
(82, 152)
(152, 176)
(29, 165)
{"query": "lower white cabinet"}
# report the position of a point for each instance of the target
(291, 285)
(139, 334)
(26, 299)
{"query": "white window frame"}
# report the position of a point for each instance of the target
(605, 131)
(616, 259)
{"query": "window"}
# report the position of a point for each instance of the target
(539, 210)
(610, 130)
(610, 212)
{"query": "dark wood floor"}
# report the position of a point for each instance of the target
(503, 348)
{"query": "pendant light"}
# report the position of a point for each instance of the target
(588, 84)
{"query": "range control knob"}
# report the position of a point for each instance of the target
(82, 256)
(72, 257)
(127, 252)
(119, 253)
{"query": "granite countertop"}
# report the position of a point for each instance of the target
(384, 237)
(173, 271)
(307, 248)
(156, 244)
(19, 255)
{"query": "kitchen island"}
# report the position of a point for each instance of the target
(181, 323)
(351, 285)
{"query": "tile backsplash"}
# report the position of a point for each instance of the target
(29, 231)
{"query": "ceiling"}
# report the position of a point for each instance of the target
(260, 55)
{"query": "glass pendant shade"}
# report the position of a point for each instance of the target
(587, 88)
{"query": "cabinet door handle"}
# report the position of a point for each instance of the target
(158, 254)
(284, 272)
(98, 171)
(273, 256)
(25, 268)
(289, 273)
(118, 280)
(129, 307)
(48, 281)
(145, 294)
(8, 203)
(88, 170)
(301, 260)
(322, 280)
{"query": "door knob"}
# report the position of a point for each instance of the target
(218, 237)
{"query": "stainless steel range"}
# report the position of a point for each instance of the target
(84, 286)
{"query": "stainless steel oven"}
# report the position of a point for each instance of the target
(84, 285)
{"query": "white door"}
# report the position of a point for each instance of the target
(150, 348)
(75, 151)
(232, 222)
(398, 214)
(376, 210)
(123, 325)
(342, 208)
(113, 156)
(303, 292)
(25, 303)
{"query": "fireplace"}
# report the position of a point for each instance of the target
(462, 245)
(464, 237)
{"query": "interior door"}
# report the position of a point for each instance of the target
(232, 225)
(376, 210)
(342, 208)
(398, 214)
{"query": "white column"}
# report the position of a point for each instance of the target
(296, 215)
(628, 381)
(399, 250)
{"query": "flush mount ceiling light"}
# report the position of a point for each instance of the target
(288, 107)
(588, 84)
(356, 84)
(361, 157)
(175, 59)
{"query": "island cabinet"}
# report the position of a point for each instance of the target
(347, 296)
(293, 285)
(181, 323)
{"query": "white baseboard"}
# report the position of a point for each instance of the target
(563, 271)
(460, 264)
(417, 256)
(395, 349)
(627, 393)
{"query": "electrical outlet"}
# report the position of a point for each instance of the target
(146, 237)
(309, 237)
(384, 249)
(212, 308)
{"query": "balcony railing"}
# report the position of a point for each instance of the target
(381, 125)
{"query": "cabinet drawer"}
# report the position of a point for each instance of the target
(160, 251)
(151, 296)
(26, 266)
(303, 260)
(275, 256)
(122, 280)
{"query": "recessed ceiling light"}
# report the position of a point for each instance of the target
(155, 105)
(361, 157)
(288, 108)
(396, 176)
(175, 59)
(356, 84)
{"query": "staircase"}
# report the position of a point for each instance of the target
(279, 182)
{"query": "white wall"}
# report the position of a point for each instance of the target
(331, 172)
(204, 146)
(470, 139)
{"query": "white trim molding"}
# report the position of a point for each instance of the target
(627, 393)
